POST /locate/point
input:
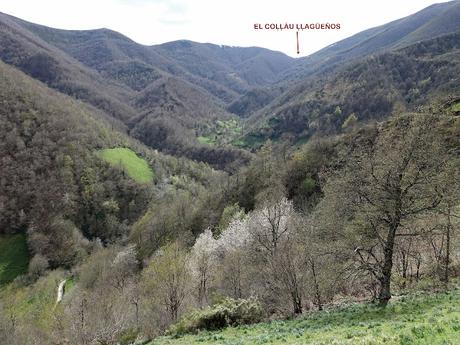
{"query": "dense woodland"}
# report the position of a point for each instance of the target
(272, 195)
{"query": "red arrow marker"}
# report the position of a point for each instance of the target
(297, 36)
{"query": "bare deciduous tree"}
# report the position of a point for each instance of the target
(168, 277)
(394, 179)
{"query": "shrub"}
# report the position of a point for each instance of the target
(128, 337)
(37, 266)
(228, 312)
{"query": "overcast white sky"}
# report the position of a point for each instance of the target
(229, 22)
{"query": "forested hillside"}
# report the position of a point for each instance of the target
(371, 88)
(141, 85)
(55, 186)
(433, 21)
(181, 193)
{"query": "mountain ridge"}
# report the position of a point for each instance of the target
(385, 36)
(160, 84)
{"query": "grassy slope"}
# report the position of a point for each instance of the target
(33, 304)
(425, 319)
(14, 257)
(136, 167)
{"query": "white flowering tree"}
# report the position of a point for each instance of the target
(277, 251)
(233, 247)
(270, 224)
(235, 236)
(203, 258)
(123, 267)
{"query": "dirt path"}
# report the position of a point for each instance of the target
(60, 292)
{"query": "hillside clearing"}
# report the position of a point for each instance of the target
(423, 319)
(136, 168)
(220, 133)
(14, 257)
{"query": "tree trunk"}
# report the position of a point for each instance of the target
(405, 254)
(419, 262)
(136, 305)
(173, 305)
(297, 303)
(385, 280)
(202, 289)
(447, 256)
(319, 303)
(238, 290)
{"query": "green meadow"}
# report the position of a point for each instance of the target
(136, 167)
(14, 257)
